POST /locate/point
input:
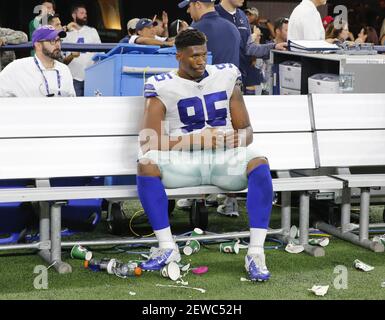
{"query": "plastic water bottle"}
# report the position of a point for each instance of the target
(127, 270)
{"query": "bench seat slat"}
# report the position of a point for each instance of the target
(129, 192)
(364, 180)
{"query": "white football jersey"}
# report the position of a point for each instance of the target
(192, 106)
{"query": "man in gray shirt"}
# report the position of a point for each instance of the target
(9, 36)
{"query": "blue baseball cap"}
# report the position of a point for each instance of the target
(143, 23)
(47, 33)
(187, 2)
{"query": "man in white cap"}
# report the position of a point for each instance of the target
(146, 35)
(131, 30)
(41, 75)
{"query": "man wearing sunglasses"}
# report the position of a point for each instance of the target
(41, 75)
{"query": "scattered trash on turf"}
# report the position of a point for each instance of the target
(113, 266)
(171, 271)
(81, 253)
(193, 245)
(383, 284)
(51, 265)
(293, 233)
(245, 280)
(362, 266)
(322, 242)
(182, 282)
(200, 270)
(229, 247)
(184, 268)
(319, 290)
(351, 227)
(294, 248)
(131, 293)
(379, 239)
(184, 287)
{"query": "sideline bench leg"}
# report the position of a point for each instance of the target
(60, 266)
(345, 209)
(286, 214)
(351, 237)
(304, 213)
(44, 230)
(364, 214)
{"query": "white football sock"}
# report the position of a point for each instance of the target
(165, 239)
(257, 241)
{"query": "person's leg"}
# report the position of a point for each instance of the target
(79, 88)
(154, 201)
(234, 171)
(259, 205)
(157, 170)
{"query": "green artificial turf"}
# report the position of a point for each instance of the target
(292, 274)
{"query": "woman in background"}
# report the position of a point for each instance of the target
(382, 34)
(368, 35)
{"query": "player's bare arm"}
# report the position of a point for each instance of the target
(240, 121)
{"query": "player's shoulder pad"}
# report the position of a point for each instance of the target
(227, 68)
(156, 83)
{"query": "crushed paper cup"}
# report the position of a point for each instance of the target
(245, 280)
(351, 226)
(319, 290)
(322, 242)
(379, 239)
(362, 266)
(293, 233)
(294, 248)
(132, 293)
(383, 284)
(183, 287)
(184, 268)
(182, 282)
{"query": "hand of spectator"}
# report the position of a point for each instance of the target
(2, 42)
(170, 42)
(165, 19)
(281, 46)
(332, 40)
(351, 36)
(360, 40)
(75, 54)
(256, 36)
(72, 26)
(184, 26)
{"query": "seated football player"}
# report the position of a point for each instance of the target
(197, 132)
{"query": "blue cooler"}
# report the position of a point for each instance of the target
(114, 73)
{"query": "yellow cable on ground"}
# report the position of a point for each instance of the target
(144, 76)
(132, 230)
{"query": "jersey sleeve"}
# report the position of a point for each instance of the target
(237, 76)
(150, 88)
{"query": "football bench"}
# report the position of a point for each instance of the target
(350, 136)
(76, 137)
